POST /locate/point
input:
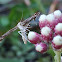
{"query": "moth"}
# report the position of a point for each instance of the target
(23, 31)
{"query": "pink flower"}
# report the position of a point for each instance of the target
(41, 47)
(34, 37)
(42, 21)
(57, 42)
(46, 34)
(58, 29)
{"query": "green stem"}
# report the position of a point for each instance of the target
(57, 56)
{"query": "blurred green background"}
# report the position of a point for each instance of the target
(12, 48)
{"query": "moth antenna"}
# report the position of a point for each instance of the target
(22, 15)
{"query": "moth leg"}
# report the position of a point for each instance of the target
(20, 33)
(24, 36)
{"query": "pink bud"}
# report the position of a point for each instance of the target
(46, 34)
(58, 16)
(51, 21)
(42, 21)
(58, 29)
(34, 37)
(57, 42)
(41, 47)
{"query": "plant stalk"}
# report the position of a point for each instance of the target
(57, 56)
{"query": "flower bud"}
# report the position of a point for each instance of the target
(50, 21)
(41, 47)
(57, 14)
(57, 42)
(42, 21)
(46, 34)
(34, 37)
(58, 29)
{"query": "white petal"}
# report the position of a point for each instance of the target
(58, 27)
(31, 35)
(39, 48)
(42, 18)
(57, 40)
(45, 31)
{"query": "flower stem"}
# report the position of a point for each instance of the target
(57, 56)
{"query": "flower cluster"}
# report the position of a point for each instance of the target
(51, 32)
